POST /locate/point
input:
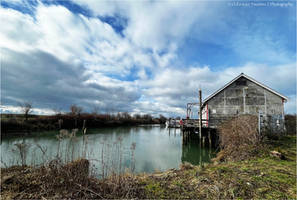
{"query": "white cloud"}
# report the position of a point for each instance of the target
(18, 31)
(172, 88)
(18, 109)
(72, 37)
(97, 58)
(152, 24)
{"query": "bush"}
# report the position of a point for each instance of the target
(290, 123)
(239, 138)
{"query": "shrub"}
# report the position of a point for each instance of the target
(290, 123)
(239, 138)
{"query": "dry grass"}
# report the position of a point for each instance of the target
(59, 181)
(239, 138)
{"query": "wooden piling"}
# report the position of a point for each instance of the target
(184, 137)
(84, 124)
(209, 138)
(189, 134)
(203, 141)
(60, 123)
(200, 114)
(84, 130)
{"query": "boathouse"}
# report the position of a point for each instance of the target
(244, 95)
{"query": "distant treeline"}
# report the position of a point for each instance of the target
(13, 123)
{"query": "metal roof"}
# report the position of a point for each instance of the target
(249, 78)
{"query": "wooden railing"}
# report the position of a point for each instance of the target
(213, 123)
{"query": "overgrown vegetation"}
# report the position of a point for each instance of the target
(239, 138)
(290, 123)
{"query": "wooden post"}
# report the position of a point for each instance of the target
(75, 122)
(209, 138)
(84, 124)
(203, 141)
(200, 156)
(189, 136)
(200, 114)
(84, 129)
(60, 123)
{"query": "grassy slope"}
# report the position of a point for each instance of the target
(262, 177)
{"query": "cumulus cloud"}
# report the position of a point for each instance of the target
(18, 109)
(48, 82)
(70, 37)
(56, 57)
(173, 88)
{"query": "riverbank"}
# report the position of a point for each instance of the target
(262, 176)
(17, 125)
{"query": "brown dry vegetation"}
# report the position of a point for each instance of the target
(70, 180)
(239, 138)
(290, 123)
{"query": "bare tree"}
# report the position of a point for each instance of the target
(26, 108)
(75, 111)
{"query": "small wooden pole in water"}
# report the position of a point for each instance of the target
(186, 137)
(200, 155)
(189, 133)
(84, 127)
(183, 137)
(203, 141)
(200, 114)
(209, 138)
(84, 124)
(60, 123)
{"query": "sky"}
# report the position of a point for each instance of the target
(147, 57)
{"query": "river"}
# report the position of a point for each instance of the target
(138, 148)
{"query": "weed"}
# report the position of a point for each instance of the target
(22, 150)
(239, 138)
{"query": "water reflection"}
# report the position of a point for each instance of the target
(156, 148)
(192, 153)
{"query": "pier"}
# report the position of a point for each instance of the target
(198, 129)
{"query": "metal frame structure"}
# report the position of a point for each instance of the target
(189, 108)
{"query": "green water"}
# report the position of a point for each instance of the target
(140, 149)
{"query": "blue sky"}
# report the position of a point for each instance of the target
(141, 56)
